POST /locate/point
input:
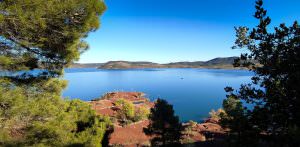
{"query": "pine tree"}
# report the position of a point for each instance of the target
(274, 57)
(48, 35)
(164, 125)
(45, 34)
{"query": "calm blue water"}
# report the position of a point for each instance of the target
(193, 92)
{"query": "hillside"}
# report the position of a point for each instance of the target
(225, 63)
(221, 61)
(127, 65)
(86, 65)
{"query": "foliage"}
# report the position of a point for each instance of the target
(216, 114)
(128, 113)
(187, 140)
(141, 113)
(40, 118)
(45, 34)
(164, 125)
(236, 119)
(48, 35)
(274, 57)
(188, 132)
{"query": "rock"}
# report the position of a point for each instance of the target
(133, 134)
(130, 135)
(212, 120)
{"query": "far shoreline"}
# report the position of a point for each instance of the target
(216, 63)
(149, 68)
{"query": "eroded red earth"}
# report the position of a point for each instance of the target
(133, 134)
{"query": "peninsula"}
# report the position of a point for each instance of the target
(216, 63)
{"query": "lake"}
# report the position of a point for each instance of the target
(192, 92)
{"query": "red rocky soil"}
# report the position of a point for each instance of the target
(133, 135)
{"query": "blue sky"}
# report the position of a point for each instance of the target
(176, 30)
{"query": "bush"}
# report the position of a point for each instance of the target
(128, 113)
(141, 113)
(216, 114)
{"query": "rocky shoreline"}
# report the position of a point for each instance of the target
(133, 135)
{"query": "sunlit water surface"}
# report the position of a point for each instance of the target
(192, 92)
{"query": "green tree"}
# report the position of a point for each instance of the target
(126, 112)
(129, 113)
(45, 34)
(236, 119)
(164, 125)
(48, 35)
(274, 57)
(36, 117)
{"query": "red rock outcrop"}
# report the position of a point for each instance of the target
(133, 134)
(106, 104)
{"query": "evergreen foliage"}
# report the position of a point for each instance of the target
(164, 125)
(128, 113)
(274, 57)
(48, 35)
(41, 117)
(45, 34)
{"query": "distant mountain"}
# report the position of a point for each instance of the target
(218, 61)
(127, 64)
(86, 65)
(185, 64)
(225, 63)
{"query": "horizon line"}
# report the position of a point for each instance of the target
(149, 61)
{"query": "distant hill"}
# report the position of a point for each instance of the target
(225, 63)
(127, 64)
(219, 61)
(86, 65)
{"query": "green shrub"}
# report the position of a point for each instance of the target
(141, 113)
(216, 114)
(128, 113)
(43, 118)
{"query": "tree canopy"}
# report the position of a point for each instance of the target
(37, 115)
(45, 34)
(164, 125)
(274, 56)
